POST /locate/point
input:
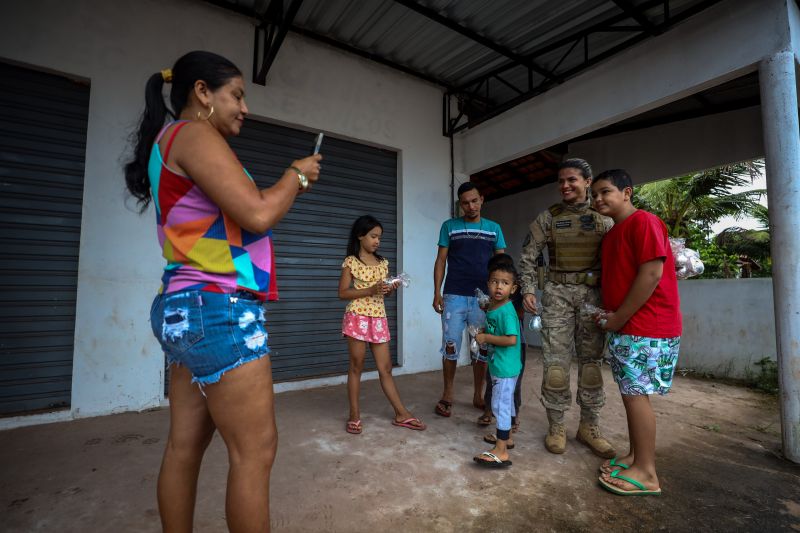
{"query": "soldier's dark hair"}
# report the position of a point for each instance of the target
(618, 178)
(578, 164)
(467, 186)
(502, 263)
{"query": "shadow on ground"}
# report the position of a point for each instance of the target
(718, 458)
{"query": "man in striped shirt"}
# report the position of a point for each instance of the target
(465, 246)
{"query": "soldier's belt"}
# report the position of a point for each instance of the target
(591, 279)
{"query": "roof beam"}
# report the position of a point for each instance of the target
(273, 27)
(629, 9)
(475, 36)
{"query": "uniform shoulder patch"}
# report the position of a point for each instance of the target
(587, 222)
(556, 209)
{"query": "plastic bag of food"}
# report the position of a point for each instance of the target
(687, 261)
(483, 299)
(401, 279)
(474, 347)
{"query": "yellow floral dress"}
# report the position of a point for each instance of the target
(365, 318)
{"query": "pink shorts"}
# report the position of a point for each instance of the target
(366, 328)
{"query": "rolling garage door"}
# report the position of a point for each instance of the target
(42, 147)
(311, 241)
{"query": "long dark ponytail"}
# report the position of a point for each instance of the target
(211, 68)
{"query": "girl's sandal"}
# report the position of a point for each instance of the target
(354, 427)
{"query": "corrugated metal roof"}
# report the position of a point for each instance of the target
(395, 32)
(490, 55)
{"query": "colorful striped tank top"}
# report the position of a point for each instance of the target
(204, 248)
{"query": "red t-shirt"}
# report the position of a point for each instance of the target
(636, 240)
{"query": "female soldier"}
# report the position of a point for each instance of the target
(572, 231)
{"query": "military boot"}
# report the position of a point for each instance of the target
(589, 434)
(556, 439)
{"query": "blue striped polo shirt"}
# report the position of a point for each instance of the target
(469, 245)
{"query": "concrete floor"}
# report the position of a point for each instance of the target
(718, 459)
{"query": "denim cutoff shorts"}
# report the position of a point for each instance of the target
(459, 312)
(209, 333)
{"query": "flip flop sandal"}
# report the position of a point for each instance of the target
(485, 420)
(407, 423)
(641, 490)
(354, 427)
(613, 465)
(443, 408)
(515, 427)
(491, 438)
(491, 461)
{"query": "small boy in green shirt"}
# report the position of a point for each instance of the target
(502, 332)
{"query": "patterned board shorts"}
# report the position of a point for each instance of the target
(642, 365)
(372, 329)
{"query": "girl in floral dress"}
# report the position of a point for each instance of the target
(362, 282)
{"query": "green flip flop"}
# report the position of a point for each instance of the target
(614, 465)
(641, 490)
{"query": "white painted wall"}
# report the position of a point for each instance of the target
(117, 45)
(678, 148)
(728, 324)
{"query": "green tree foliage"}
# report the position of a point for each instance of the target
(750, 244)
(690, 204)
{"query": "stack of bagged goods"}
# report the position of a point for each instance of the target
(687, 261)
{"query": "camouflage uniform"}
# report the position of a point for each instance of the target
(572, 234)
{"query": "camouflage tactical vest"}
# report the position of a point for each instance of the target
(576, 239)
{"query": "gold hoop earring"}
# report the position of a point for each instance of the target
(200, 117)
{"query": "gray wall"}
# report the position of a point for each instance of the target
(728, 324)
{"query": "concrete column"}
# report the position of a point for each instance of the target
(782, 150)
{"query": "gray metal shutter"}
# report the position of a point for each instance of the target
(43, 121)
(311, 242)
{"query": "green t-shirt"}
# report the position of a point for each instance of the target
(505, 361)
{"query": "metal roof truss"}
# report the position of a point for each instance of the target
(476, 101)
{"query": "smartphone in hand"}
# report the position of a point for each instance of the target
(318, 143)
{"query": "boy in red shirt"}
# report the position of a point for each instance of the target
(643, 324)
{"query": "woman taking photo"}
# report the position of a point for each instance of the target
(214, 227)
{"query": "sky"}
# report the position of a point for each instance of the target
(747, 223)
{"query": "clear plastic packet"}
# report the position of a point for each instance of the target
(535, 322)
(592, 311)
(483, 299)
(474, 347)
(687, 261)
(401, 279)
